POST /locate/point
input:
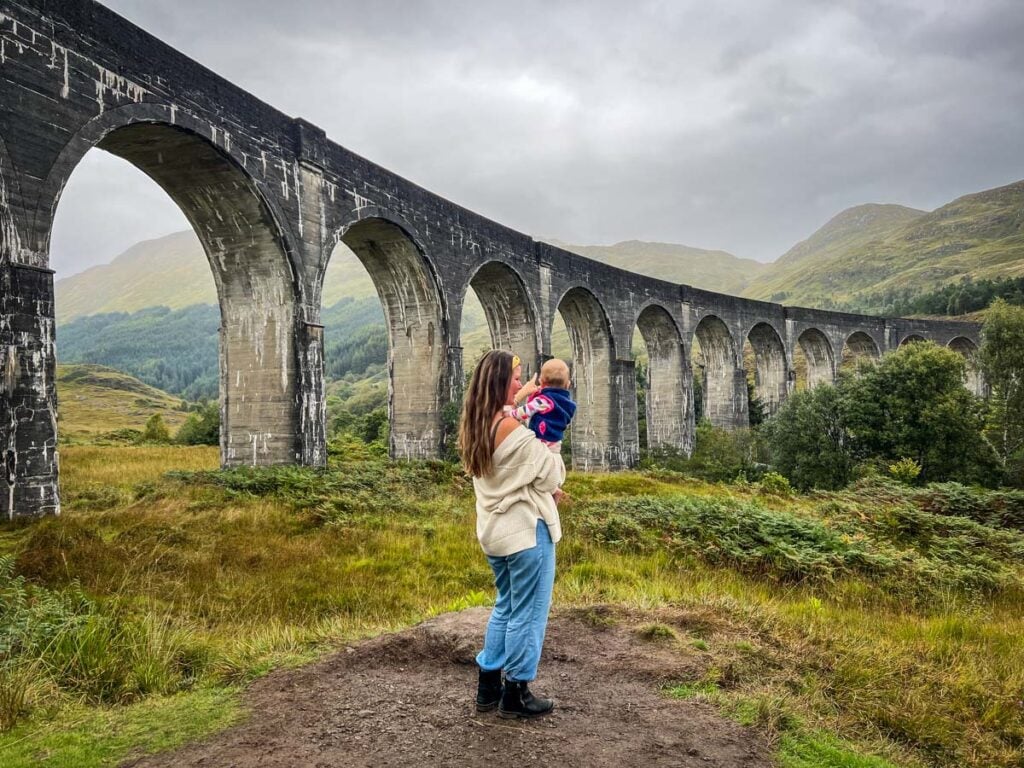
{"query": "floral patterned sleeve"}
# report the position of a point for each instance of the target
(536, 404)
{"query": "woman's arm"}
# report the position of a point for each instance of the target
(548, 474)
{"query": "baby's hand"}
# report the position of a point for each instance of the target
(527, 389)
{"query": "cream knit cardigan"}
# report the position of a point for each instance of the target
(517, 494)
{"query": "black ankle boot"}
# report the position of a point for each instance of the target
(488, 690)
(517, 701)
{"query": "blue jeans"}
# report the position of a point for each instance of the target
(515, 632)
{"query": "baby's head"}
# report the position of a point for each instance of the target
(554, 373)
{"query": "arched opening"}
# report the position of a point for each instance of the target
(599, 433)
(511, 321)
(256, 369)
(813, 363)
(913, 338)
(769, 368)
(859, 346)
(415, 329)
(973, 379)
(722, 383)
(667, 383)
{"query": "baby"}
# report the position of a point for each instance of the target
(546, 407)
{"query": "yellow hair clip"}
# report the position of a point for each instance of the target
(516, 362)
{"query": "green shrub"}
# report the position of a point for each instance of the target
(740, 534)
(876, 531)
(719, 455)
(999, 509)
(359, 488)
(906, 471)
(202, 427)
(774, 484)
(156, 430)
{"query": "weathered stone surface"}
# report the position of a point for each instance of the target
(270, 197)
(28, 395)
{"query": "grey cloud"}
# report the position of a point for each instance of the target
(733, 125)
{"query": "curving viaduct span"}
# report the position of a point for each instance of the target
(270, 197)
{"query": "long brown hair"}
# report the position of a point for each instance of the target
(485, 396)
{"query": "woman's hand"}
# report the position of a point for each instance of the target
(560, 496)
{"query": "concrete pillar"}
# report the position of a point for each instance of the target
(604, 432)
(821, 367)
(622, 445)
(260, 414)
(312, 436)
(724, 379)
(725, 398)
(670, 418)
(28, 394)
(451, 397)
(772, 371)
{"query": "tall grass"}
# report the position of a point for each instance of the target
(862, 613)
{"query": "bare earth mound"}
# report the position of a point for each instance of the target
(407, 699)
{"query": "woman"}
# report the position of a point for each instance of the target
(514, 476)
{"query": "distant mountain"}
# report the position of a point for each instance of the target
(711, 270)
(871, 255)
(172, 272)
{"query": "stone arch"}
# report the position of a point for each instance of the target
(912, 338)
(724, 381)
(10, 240)
(771, 379)
(669, 382)
(859, 345)
(601, 430)
(973, 379)
(820, 358)
(510, 311)
(418, 334)
(249, 255)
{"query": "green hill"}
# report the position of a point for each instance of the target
(172, 272)
(869, 256)
(711, 270)
(93, 400)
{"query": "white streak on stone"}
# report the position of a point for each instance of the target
(64, 91)
(298, 192)
(358, 200)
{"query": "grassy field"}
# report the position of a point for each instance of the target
(94, 402)
(857, 628)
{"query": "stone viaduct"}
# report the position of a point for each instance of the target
(270, 197)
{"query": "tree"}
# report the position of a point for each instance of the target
(202, 427)
(156, 430)
(808, 442)
(1002, 362)
(913, 404)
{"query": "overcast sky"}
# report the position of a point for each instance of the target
(735, 125)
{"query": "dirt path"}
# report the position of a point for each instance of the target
(407, 699)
